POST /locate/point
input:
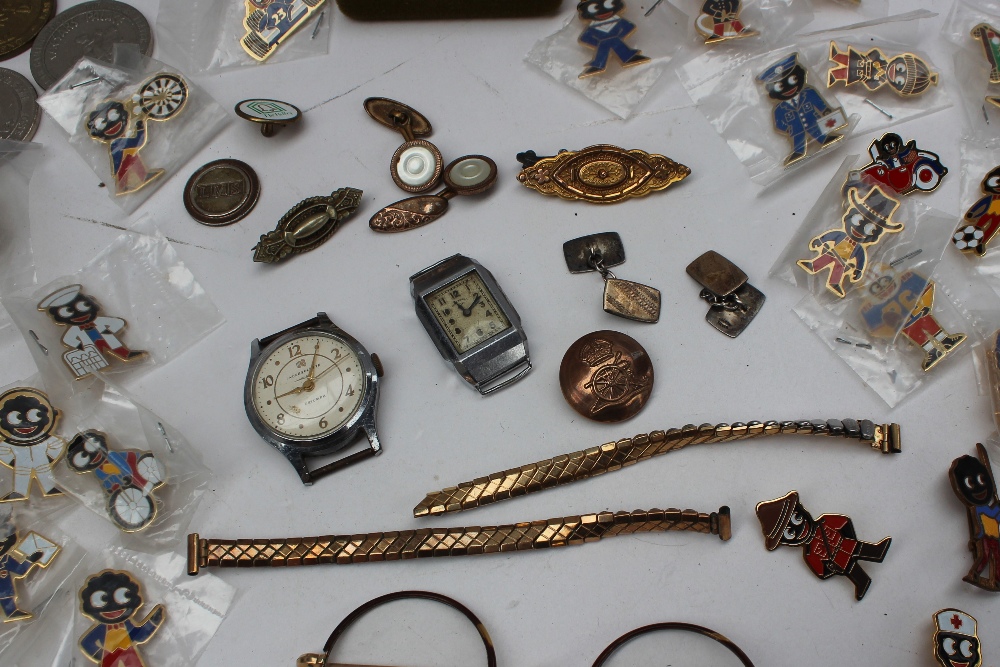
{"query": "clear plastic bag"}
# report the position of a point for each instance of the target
(943, 316)
(906, 233)
(657, 34)
(912, 84)
(980, 200)
(207, 36)
(17, 165)
(149, 300)
(732, 90)
(135, 122)
(177, 618)
(758, 24)
(836, 12)
(129, 467)
(970, 28)
(39, 564)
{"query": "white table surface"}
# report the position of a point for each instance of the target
(556, 607)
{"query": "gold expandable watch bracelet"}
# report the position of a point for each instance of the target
(436, 542)
(586, 463)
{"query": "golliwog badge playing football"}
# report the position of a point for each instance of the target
(89, 335)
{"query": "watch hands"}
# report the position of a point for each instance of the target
(467, 312)
(297, 390)
(312, 368)
(332, 366)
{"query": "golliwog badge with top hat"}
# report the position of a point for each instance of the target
(906, 74)
(843, 251)
(88, 334)
(800, 111)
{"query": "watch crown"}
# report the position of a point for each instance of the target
(378, 365)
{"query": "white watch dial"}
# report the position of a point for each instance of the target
(309, 386)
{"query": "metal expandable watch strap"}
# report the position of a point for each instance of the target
(435, 542)
(586, 463)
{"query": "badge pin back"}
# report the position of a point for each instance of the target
(468, 175)
(307, 225)
(734, 301)
(417, 165)
(624, 298)
(269, 114)
(600, 174)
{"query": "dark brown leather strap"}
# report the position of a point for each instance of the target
(338, 632)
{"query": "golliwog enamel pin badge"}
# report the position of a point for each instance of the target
(27, 443)
(904, 303)
(956, 643)
(973, 482)
(906, 75)
(112, 599)
(844, 251)
(829, 543)
(128, 478)
(606, 32)
(122, 125)
(720, 20)
(988, 36)
(268, 23)
(898, 167)
(88, 334)
(20, 553)
(799, 110)
(982, 221)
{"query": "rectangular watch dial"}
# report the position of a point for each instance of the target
(467, 312)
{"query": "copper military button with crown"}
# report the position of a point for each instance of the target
(606, 376)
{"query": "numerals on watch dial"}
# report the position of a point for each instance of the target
(467, 312)
(308, 386)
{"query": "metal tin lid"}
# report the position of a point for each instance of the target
(19, 112)
(606, 376)
(222, 192)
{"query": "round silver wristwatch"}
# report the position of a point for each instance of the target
(308, 392)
